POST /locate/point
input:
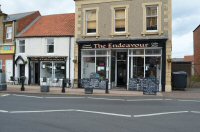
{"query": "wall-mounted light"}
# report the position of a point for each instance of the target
(75, 59)
(169, 59)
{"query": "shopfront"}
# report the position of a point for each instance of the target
(51, 68)
(118, 61)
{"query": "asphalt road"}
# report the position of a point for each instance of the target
(34, 113)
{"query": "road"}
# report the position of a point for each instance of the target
(35, 113)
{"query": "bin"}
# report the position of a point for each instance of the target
(179, 80)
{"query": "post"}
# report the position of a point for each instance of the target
(22, 81)
(106, 90)
(63, 85)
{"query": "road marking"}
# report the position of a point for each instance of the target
(164, 113)
(189, 100)
(3, 111)
(65, 97)
(196, 112)
(4, 95)
(106, 99)
(135, 100)
(28, 96)
(40, 111)
(104, 113)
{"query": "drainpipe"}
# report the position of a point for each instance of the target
(14, 46)
(69, 61)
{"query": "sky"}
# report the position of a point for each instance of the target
(186, 17)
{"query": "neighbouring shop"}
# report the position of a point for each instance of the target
(121, 60)
(51, 68)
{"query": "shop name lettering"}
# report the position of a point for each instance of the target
(120, 45)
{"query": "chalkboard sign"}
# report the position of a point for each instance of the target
(103, 84)
(85, 82)
(133, 84)
(151, 87)
(94, 82)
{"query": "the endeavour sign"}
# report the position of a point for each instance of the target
(120, 45)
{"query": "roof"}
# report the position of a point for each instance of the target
(52, 25)
(18, 16)
(177, 59)
(189, 58)
(196, 28)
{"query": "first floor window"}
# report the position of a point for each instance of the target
(91, 21)
(21, 46)
(152, 18)
(120, 20)
(50, 45)
(9, 33)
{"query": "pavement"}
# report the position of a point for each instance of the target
(189, 93)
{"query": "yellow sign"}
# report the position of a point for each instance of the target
(7, 49)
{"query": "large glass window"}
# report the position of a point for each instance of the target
(50, 45)
(21, 46)
(9, 33)
(152, 18)
(95, 61)
(91, 21)
(120, 20)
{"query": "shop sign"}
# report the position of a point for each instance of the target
(48, 58)
(120, 45)
(7, 49)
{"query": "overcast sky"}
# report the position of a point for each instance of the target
(186, 17)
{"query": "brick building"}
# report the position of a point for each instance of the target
(10, 26)
(196, 37)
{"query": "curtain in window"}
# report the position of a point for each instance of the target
(119, 20)
(91, 21)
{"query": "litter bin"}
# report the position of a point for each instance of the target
(179, 80)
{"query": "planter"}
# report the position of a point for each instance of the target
(88, 90)
(44, 88)
(3, 87)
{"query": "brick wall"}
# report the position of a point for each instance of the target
(196, 36)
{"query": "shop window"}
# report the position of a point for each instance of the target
(120, 20)
(91, 22)
(9, 33)
(101, 52)
(50, 45)
(1, 63)
(153, 51)
(137, 52)
(101, 67)
(152, 18)
(59, 68)
(88, 52)
(21, 46)
(88, 66)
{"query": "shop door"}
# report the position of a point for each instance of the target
(9, 69)
(37, 73)
(121, 69)
(22, 70)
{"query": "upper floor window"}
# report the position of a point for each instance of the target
(9, 33)
(152, 18)
(21, 46)
(91, 22)
(50, 45)
(120, 20)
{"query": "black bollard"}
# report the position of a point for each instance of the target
(63, 85)
(22, 81)
(106, 90)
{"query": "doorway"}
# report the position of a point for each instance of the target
(37, 73)
(121, 69)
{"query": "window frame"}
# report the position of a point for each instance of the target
(152, 17)
(85, 33)
(115, 19)
(50, 44)
(159, 20)
(22, 45)
(9, 32)
(113, 9)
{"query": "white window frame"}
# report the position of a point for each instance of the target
(9, 31)
(49, 44)
(116, 19)
(21, 45)
(152, 16)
